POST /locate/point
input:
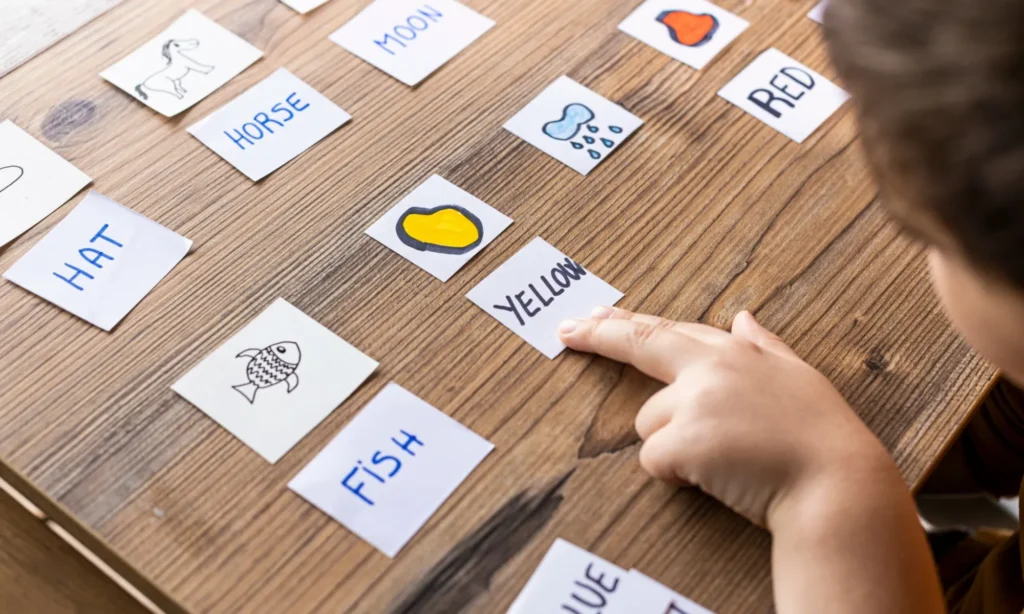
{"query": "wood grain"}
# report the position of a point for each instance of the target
(702, 213)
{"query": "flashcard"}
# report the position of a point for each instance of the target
(183, 64)
(304, 6)
(34, 181)
(818, 12)
(691, 31)
(269, 124)
(538, 288)
(391, 468)
(784, 94)
(410, 39)
(439, 227)
(99, 261)
(574, 125)
(570, 579)
(642, 595)
(276, 379)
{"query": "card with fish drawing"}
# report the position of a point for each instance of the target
(574, 125)
(439, 227)
(538, 288)
(276, 379)
(184, 64)
(691, 31)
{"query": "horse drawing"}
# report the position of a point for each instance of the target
(168, 79)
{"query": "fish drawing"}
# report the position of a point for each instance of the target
(269, 367)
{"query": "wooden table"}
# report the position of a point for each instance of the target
(702, 213)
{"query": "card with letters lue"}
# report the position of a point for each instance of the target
(274, 121)
(99, 261)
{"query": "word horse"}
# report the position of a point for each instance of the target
(168, 79)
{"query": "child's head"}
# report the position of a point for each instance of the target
(939, 89)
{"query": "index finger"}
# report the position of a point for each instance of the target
(657, 351)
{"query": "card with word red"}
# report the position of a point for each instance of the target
(100, 261)
(391, 468)
(538, 288)
(570, 579)
(184, 64)
(410, 39)
(691, 31)
(642, 595)
(269, 124)
(276, 379)
(785, 94)
(34, 181)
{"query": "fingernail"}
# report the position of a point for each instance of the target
(601, 313)
(567, 327)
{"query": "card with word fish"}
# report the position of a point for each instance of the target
(269, 124)
(574, 125)
(691, 31)
(538, 288)
(184, 64)
(410, 39)
(34, 181)
(100, 261)
(785, 94)
(439, 227)
(276, 379)
(391, 468)
(570, 579)
(643, 595)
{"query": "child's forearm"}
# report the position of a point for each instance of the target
(852, 546)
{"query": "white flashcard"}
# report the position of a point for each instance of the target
(99, 261)
(538, 288)
(276, 379)
(304, 6)
(269, 124)
(184, 64)
(391, 468)
(818, 12)
(34, 181)
(785, 94)
(642, 595)
(570, 579)
(439, 227)
(573, 125)
(410, 39)
(691, 31)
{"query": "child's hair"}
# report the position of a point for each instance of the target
(939, 88)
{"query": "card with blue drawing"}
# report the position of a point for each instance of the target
(570, 579)
(691, 31)
(574, 125)
(386, 473)
(184, 64)
(34, 181)
(276, 379)
(410, 39)
(269, 124)
(538, 288)
(100, 261)
(439, 227)
(785, 94)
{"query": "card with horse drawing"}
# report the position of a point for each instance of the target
(276, 379)
(183, 64)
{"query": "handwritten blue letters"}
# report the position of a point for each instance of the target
(409, 29)
(384, 466)
(262, 123)
(93, 256)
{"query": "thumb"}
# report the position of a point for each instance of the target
(746, 327)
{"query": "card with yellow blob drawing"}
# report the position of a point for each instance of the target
(439, 227)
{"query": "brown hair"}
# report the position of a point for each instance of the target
(939, 88)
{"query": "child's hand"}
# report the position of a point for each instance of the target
(742, 417)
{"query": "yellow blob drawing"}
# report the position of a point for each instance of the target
(448, 229)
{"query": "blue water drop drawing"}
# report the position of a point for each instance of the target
(615, 129)
(593, 129)
(593, 154)
(608, 143)
(589, 140)
(576, 145)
